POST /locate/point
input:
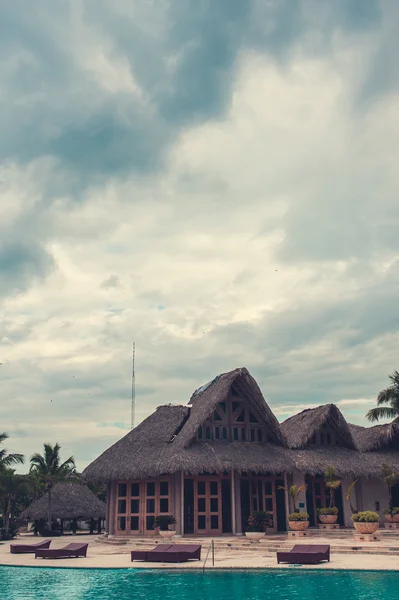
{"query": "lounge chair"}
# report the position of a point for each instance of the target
(70, 551)
(169, 553)
(28, 548)
(305, 555)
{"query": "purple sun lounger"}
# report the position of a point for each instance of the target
(173, 553)
(304, 554)
(70, 551)
(28, 548)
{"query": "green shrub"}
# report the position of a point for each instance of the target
(393, 511)
(298, 516)
(332, 510)
(365, 516)
(259, 521)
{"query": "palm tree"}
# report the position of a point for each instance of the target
(390, 396)
(8, 460)
(331, 482)
(14, 489)
(348, 496)
(294, 491)
(390, 478)
(49, 470)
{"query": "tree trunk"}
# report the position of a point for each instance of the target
(49, 510)
(6, 516)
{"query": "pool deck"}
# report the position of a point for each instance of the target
(230, 553)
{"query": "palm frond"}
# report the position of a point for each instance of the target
(381, 412)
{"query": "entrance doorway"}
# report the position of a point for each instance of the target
(139, 502)
(207, 505)
(258, 492)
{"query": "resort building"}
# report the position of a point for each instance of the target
(214, 461)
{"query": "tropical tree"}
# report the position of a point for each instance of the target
(49, 470)
(390, 478)
(294, 491)
(348, 496)
(390, 397)
(14, 495)
(331, 482)
(8, 460)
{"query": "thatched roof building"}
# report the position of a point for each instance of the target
(379, 437)
(301, 428)
(69, 501)
(167, 441)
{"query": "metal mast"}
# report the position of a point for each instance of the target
(133, 408)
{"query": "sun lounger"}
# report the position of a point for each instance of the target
(70, 551)
(28, 548)
(304, 554)
(169, 553)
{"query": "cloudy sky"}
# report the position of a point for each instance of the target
(214, 179)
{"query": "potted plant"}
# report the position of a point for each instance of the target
(258, 522)
(297, 520)
(365, 521)
(390, 478)
(163, 522)
(330, 514)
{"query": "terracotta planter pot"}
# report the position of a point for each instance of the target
(366, 527)
(167, 534)
(328, 519)
(392, 518)
(298, 525)
(255, 536)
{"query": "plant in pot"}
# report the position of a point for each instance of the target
(365, 521)
(297, 520)
(330, 514)
(163, 522)
(390, 478)
(258, 522)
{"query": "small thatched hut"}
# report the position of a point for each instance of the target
(70, 501)
(224, 454)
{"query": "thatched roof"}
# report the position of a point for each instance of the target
(146, 451)
(300, 428)
(166, 441)
(203, 402)
(69, 501)
(379, 437)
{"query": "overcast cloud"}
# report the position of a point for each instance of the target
(214, 179)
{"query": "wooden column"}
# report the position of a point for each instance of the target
(233, 503)
(112, 509)
(182, 502)
(237, 486)
(107, 508)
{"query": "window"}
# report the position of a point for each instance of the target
(151, 488)
(121, 506)
(328, 438)
(224, 433)
(252, 434)
(322, 439)
(241, 417)
(200, 433)
(243, 435)
(122, 490)
(217, 433)
(135, 490)
(252, 418)
(208, 433)
(235, 434)
(216, 416)
(260, 436)
(164, 488)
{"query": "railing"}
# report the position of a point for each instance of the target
(211, 547)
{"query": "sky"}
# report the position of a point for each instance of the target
(215, 180)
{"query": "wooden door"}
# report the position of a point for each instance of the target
(139, 502)
(207, 506)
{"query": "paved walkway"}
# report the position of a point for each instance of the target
(230, 553)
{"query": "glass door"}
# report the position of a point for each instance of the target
(208, 506)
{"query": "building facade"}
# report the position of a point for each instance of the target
(214, 461)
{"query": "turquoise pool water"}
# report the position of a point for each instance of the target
(21, 583)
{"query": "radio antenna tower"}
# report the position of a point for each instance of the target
(133, 408)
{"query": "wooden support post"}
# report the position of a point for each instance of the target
(233, 503)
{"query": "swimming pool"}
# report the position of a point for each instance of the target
(24, 583)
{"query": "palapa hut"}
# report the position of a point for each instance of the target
(214, 461)
(70, 501)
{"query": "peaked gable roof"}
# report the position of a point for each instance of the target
(379, 437)
(300, 428)
(204, 400)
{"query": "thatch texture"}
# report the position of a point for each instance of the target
(203, 403)
(346, 462)
(69, 501)
(146, 451)
(300, 428)
(379, 437)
